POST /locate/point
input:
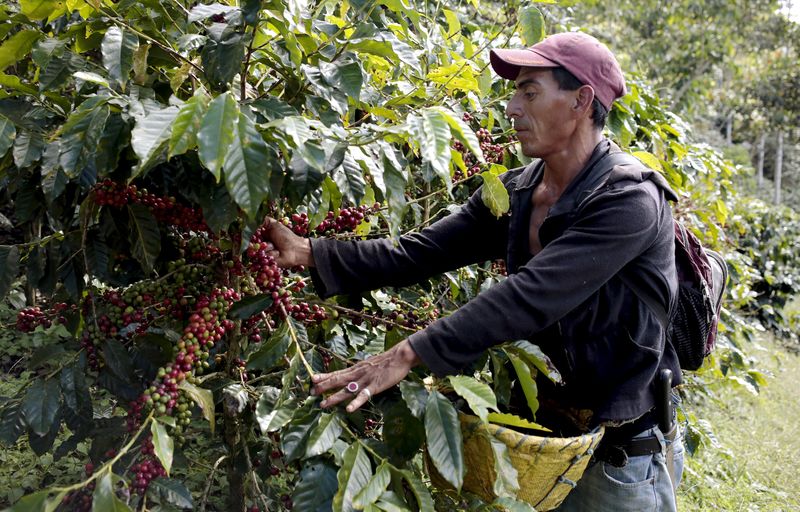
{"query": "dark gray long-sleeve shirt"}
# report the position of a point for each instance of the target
(568, 298)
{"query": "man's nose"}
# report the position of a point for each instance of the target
(513, 109)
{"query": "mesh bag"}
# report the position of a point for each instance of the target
(547, 467)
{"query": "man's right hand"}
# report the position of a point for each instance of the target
(289, 250)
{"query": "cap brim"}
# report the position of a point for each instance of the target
(506, 63)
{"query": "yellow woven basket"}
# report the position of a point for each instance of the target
(547, 467)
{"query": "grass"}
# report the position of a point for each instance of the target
(756, 467)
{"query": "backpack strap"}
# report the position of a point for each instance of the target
(607, 164)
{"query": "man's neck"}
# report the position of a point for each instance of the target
(562, 167)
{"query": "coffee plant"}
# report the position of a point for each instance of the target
(143, 145)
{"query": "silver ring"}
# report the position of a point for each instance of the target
(367, 392)
(352, 387)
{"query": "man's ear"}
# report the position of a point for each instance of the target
(584, 99)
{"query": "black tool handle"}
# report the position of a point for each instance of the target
(664, 400)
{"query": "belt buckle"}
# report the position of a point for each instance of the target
(616, 456)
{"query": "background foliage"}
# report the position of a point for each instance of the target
(141, 146)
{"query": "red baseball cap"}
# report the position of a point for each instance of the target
(581, 54)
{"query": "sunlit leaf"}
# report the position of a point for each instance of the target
(163, 445)
(150, 136)
(17, 47)
(327, 431)
(118, 48)
(248, 164)
(478, 395)
(353, 476)
(443, 437)
(187, 124)
(217, 132)
(494, 194)
(531, 25)
(204, 398)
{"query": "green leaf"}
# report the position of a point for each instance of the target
(248, 163)
(494, 194)
(117, 359)
(81, 135)
(7, 134)
(39, 9)
(506, 482)
(9, 268)
(478, 395)
(144, 236)
(273, 414)
(162, 445)
(531, 25)
(512, 505)
(295, 436)
(78, 410)
(45, 354)
(150, 138)
(204, 398)
(443, 437)
(349, 179)
(534, 355)
(514, 421)
(324, 435)
(526, 381)
(36, 502)
(415, 396)
(172, 492)
(271, 351)
(217, 132)
(187, 124)
(462, 131)
(11, 423)
(17, 47)
(374, 488)
(649, 159)
(104, 497)
(316, 486)
(40, 405)
(420, 491)
(353, 476)
(118, 48)
(249, 306)
(432, 133)
(346, 77)
(202, 12)
(222, 59)
(28, 148)
(402, 433)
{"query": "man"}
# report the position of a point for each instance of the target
(572, 231)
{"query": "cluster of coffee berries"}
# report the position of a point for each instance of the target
(30, 318)
(166, 210)
(499, 267)
(147, 469)
(344, 221)
(413, 317)
(307, 313)
(492, 152)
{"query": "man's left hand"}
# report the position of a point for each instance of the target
(375, 375)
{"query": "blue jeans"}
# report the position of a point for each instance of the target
(643, 485)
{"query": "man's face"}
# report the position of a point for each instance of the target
(542, 114)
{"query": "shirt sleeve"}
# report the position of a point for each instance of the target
(470, 235)
(611, 230)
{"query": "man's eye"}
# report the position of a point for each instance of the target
(530, 95)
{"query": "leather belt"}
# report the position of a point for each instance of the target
(620, 443)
